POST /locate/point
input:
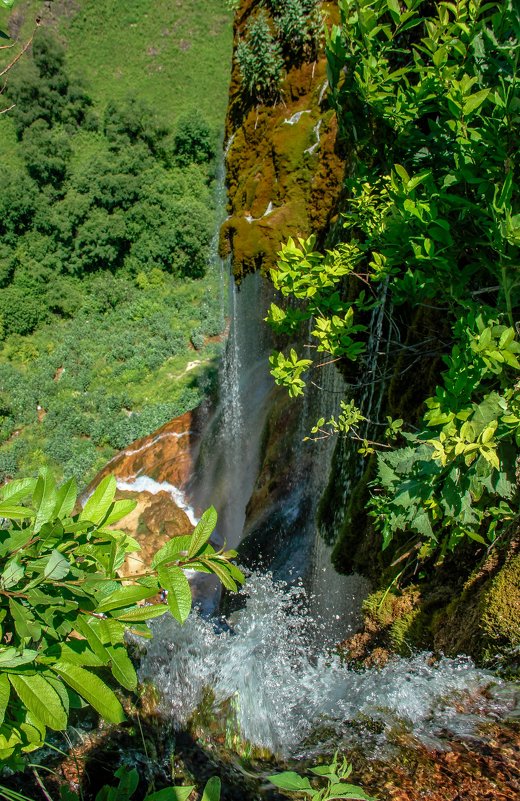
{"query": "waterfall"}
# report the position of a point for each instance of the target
(271, 668)
(227, 462)
(269, 672)
(232, 397)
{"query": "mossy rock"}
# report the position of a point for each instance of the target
(484, 621)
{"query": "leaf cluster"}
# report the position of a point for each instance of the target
(65, 610)
(428, 98)
(291, 36)
(334, 782)
(128, 781)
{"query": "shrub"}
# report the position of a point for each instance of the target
(193, 141)
(46, 153)
(259, 59)
(20, 314)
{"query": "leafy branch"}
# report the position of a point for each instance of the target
(65, 611)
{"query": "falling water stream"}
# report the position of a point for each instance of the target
(270, 665)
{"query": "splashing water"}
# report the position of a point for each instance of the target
(267, 660)
(147, 484)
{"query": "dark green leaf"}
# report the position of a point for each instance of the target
(175, 582)
(41, 699)
(92, 689)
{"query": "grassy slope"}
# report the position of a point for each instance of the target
(164, 53)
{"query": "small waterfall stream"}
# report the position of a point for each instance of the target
(271, 676)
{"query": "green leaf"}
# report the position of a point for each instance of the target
(122, 668)
(78, 652)
(289, 780)
(100, 501)
(57, 567)
(10, 658)
(5, 691)
(120, 509)
(128, 782)
(212, 789)
(92, 689)
(175, 582)
(17, 490)
(171, 794)
(400, 170)
(109, 631)
(141, 613)
(82, 627)
(13, 573)
(66, 499)
(23, 620)
(41, 699)
(44, 499)
(174, 549)
(203, 531)
(126, 596)
(343, 790)
(13, 512)
(474, 101)
(220, 569)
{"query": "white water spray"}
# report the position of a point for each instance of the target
(147, 484)
(284, 687)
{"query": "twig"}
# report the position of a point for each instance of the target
(20, 54)
(41, 784)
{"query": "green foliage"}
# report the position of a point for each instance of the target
(193, 141)
(98, 232)
(456, 477)
(294, 32)
(259, 59)
(299, 26)
(41, 89)
(287, 372)
(334, 776)
(64, 609)
(429, 97)
(128, 783)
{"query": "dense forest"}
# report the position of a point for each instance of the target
(107, 218)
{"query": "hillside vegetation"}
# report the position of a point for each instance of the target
(108, 213)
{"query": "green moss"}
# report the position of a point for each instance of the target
(500, 606)
(398, 619)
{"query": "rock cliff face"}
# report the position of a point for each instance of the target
(284, 172)
(154, 471)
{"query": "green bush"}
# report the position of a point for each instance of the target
(193, 141)
(20, 314)
(259, 59)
